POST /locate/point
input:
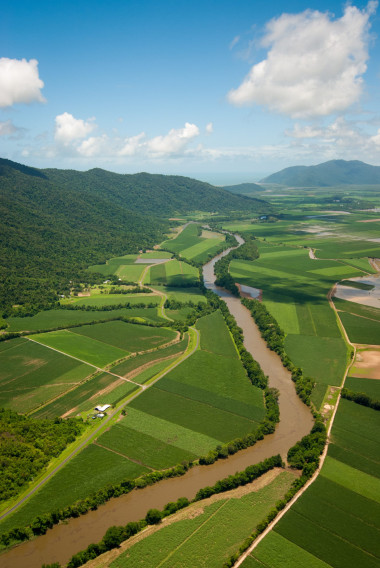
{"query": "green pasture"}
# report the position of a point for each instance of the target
(172, 273)
(193, 247)
(168, 432)
(87, 472)
(84, 348)
(361, 330)
(209, 538)
(360, 384)
(51, 319)
(87, 395)
(31, 375)
(147, 450)
(128, 337)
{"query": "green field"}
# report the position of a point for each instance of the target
(172, 273)
(127, 336)
(89, 471)
(31, 374)
(336, 522)
(215, 336)
(84, 348)
(358, 309)
(208, 536)
(52, 319)
(368, 386)
(361, 330)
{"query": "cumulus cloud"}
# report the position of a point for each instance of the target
(132, 145)
(210, 128)
(68, 128)
(173, 142)
(314, 64)
(19, 82)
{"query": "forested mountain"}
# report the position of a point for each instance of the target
(55, 223)
(332, 173)
(152, 193)
(244, 188)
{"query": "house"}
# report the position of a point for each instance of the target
(102, 408)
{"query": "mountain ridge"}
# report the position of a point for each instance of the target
(327, 174)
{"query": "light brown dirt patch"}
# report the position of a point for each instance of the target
(367, 364)
(369, 221)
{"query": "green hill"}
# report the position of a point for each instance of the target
(332, 173)
(154, 194)
(58, 222)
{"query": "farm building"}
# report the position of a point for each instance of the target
(102, 408)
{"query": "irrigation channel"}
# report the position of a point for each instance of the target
(64, 540)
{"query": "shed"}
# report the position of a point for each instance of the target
(102, 408)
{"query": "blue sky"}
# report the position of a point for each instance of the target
(225, 91)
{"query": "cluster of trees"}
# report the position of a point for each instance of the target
(135, 290)
(305, 453)
(360, 398)
(27, 445)
(105, 308)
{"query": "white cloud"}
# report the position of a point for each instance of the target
(314, 64)
(7, 128)
(94, 146)
(210, 128)
(68, 128)
(132, 145)
(19, 82)
(174, 141)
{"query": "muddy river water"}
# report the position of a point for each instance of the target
(61, 542)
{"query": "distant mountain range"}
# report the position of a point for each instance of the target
(332, 173)
(244, 188)
(55, 223)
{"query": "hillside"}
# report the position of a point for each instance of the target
(58, 222)
(244, 188)
(152, 193)
(332, 173)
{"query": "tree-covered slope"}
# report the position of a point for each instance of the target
(154, 194)
(332, 173)
(50, 234)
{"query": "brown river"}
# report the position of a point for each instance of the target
(64, 540)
